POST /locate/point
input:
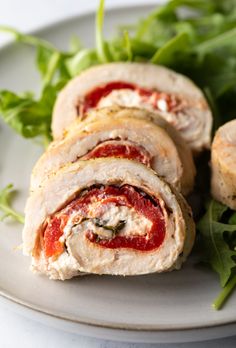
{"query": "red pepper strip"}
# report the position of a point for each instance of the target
(150, 96)
(119, 150)
(120, 196)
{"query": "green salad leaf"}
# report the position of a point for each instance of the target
(217, 236)
(170, 49)
(83, 59)
(5, 205)
(27, 116)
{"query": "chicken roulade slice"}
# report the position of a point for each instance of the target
(185, 154)
(223, 165)
(106, 216)
(142, 85)
(122, 136)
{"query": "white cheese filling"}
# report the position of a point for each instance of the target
(190, 125)
(110, 216)
(130, 98)
(124, 97)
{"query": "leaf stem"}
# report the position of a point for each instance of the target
(224, 294)
(101, 49)
(52, 67)
(164, 54)
(27, 39)
(128, 46)
(5, 206)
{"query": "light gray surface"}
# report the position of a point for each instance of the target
(28, 332)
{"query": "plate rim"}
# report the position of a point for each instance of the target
(129, 327)
(122, 334)
(108, 326)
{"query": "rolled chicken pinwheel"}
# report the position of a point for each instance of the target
(122, 135)
(142, 85)
(223, 165)
(106, 216)
(185, 155)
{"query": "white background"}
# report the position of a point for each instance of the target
(15, 330)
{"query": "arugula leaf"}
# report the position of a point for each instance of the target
(27, 116)
(232, 219)
(48, 69)
(157, 28)
(5, 205)
(142, 49)
(83, 59)
(218, 252)
(221, 40)
(165, 54)
(214, 109)
(218, 249)
(75, 44)
(52, 65)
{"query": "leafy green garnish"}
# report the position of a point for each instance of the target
(165, 54)
(5, 205)
(83, 59)
(216, 236)
(201, 44)
(27, 116)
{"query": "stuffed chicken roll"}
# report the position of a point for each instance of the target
(223, 165)
(106, 216)
(142, 85)
(184, 153)
(124, 136)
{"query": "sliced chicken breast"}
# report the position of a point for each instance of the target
(185, 155)
(142, 85)
(106, 216)
(119, 136)
(223, 165)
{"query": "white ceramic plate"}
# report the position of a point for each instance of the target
(157, 308)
